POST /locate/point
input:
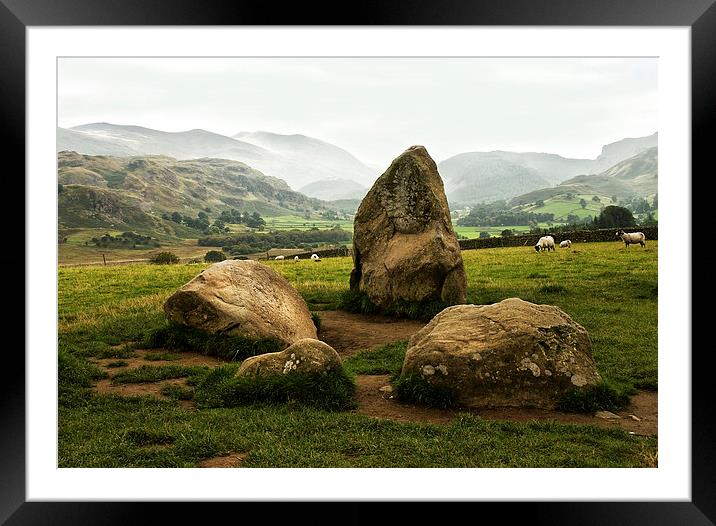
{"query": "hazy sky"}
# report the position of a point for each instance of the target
(376, 107)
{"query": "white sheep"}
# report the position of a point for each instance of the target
(632, 238)
(295, 258)
(545, 243)
(565, 244)
(315, 257)
(279, 258)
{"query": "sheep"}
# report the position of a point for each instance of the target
(565, 244)
(545, 243)
(295, 258)
(632, 238)
(279, 258)
(315, 257)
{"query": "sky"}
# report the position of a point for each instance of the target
(375, 107)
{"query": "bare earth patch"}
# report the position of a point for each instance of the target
(230, 460)
(379, 404)
(350, 333)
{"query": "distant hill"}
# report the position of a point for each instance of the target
(635, 176)
(470, 177)
(306, 163)
(297, 159)
(133, 192)
(334, 189)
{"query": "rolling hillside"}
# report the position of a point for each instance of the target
(635, 176)
(297, 159)
(133, 192)
(475, 177)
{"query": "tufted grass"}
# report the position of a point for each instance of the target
(387, 359)
(234, 348)
(332, 391)
(359, 302)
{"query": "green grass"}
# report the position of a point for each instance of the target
(182, 338)
(279, 223)
(112, 431)
(161, 357)
(359, 302)
(103, 308)
(414, 388)
(603, 396)
(332, 391)
(150, 373)
(387, 359)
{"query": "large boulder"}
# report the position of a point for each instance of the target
(304, 356)
(511, 353)
(242, 298)
(404, 245)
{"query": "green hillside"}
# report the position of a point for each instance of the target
(134, 192)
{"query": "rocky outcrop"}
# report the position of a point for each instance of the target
(304, 356)
(512, 353)
(242, 298)
(404, 245)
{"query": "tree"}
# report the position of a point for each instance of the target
(596, 199)
(507, 233)
(176, 217)
(614, 198)
(164, 258)
(214, 256)
(655, 203)
(582, 203)
(539, 203)
(484, 235)
(615, 217)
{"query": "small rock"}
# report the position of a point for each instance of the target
(634, 417)
(606, 415)
(386, 389)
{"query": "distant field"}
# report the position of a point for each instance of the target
(560, 206)
(301, 223)
(472, 232)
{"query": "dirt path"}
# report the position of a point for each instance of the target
(380, 404)
(351, 333)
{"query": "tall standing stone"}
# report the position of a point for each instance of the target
(404, 245)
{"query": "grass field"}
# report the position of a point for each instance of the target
(560, 206)
(101, 309)
(473, 232)
(301, 223)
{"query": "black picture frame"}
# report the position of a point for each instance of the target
(699, 15)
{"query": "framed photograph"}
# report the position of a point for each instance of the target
(450, 213)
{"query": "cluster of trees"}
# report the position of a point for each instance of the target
(125, 240)
(498, 214)
(203, 224)
(249, 242)
(639, 205)
(611, 216)
(237, 217)
(200, 222)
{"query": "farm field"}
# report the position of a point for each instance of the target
(473, 232)
(301, 223)
(104, 311)
(561, 206)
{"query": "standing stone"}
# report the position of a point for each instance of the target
(242, 298)
(404, 245)
(512, 353)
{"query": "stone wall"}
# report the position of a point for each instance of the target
(579, 236)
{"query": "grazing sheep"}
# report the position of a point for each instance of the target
(565, 244)
(545, 243)
(315, 257)
(279, 258)
(632, 238)
(295, 258)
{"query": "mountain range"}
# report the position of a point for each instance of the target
(476, 177)
(297, 159)
(324, 171)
